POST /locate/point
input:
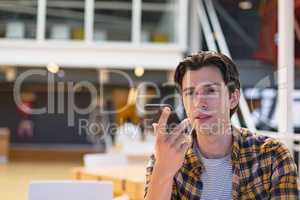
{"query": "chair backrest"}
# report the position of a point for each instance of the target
(70, 190)
(101, 160)
(139, 148)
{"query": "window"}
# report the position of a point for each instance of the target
(65, 19)
(18, 19)
(158, 21)
(113, 20)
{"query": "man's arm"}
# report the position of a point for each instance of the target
(284, 174)
(155, 183)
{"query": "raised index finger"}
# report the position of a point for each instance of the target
(163, 119)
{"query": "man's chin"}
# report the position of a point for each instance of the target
(203, 125)
(208, 128)
(203, 129)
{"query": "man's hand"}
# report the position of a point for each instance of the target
(170, 148)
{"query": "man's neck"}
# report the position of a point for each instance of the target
(215, 146)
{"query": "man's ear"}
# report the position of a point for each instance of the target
(234, 98)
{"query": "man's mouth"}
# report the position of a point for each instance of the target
(203, 117)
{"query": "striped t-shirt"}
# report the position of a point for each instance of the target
(216, 177)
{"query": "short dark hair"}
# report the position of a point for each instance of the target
(201, 59)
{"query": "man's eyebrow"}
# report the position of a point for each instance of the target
(205, 85)
(212, 84)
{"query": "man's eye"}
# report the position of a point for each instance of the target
(210, 90)
(189, 93)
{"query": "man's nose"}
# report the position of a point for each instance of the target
(201, 101)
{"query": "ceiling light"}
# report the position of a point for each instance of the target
(10, 74)
(245, 5)
(53, 68)
(139, 71)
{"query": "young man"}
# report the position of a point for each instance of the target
(218, 161)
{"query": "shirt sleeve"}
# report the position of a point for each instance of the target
(149, 170)
(284, 184)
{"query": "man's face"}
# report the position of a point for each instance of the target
(206, 99)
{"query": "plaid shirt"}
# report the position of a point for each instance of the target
(262, 168)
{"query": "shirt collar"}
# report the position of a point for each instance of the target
(194, 164)
(236, 133)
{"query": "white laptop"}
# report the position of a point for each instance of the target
(70, 190)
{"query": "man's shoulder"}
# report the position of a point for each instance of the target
(258, 143)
